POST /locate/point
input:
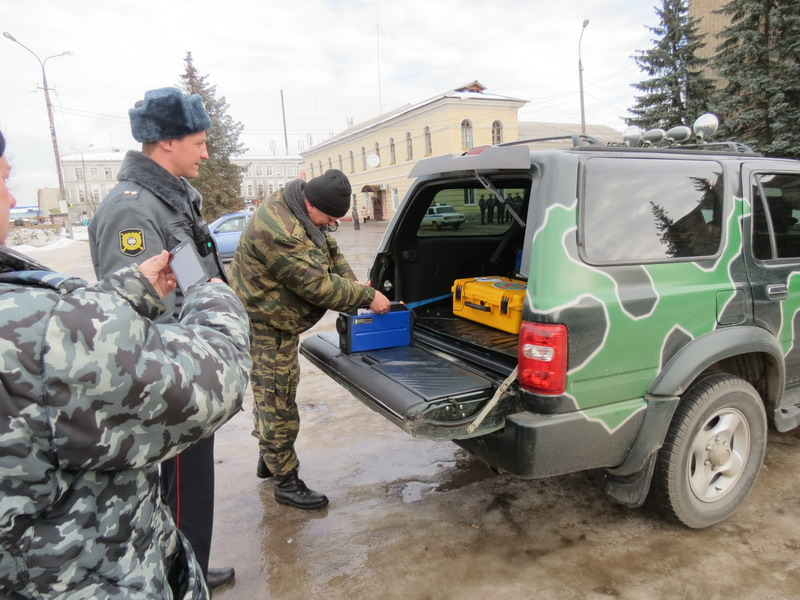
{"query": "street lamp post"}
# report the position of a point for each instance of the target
(62, 195)
(83, 176)
(580, 78)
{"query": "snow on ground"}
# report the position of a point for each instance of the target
(27, 240)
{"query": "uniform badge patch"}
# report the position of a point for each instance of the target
(131, 242)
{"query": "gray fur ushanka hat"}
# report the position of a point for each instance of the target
(167, 113)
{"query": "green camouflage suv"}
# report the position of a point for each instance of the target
(661, 287)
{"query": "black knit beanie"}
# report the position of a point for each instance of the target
(330, 193)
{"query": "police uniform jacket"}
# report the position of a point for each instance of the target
(93, 395)
(286, 281)
(150, 210)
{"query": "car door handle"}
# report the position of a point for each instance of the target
(777, 291)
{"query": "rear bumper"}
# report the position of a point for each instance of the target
(533, 446)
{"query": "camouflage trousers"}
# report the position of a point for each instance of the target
(275, 375)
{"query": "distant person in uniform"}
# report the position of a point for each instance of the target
(482, 206)
(356, 221)
(288, 272)
(93, 396)
(154, 208)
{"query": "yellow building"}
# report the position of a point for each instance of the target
(378, 154)
(709, 24)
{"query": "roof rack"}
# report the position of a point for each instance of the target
(576, 138)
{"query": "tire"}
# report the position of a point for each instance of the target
(712, 453)
(436, 225)
(456, 226)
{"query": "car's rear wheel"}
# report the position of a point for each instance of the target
(713, 451)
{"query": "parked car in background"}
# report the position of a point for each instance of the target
(227, 230)
(442, 215)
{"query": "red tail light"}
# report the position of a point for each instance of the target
(543, 358)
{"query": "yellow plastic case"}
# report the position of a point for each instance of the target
(493, 301)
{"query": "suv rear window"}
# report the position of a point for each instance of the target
(650, 210)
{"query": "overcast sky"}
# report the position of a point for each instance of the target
(335, 60)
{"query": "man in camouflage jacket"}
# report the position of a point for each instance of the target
(288, 272)
(93, 396)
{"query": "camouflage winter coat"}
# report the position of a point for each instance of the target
(93, 395)
(284, 279)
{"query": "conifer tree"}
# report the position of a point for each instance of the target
(220, 180)
(759, 58)
(676, 92)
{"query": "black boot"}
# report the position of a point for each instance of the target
(262, 470)
(290, 489)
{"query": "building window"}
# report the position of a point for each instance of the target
(270, 189)
(377, 149)
(330, 164)
(392, 155)
(259, 171)
(78, 173)
(268, 171)
(108, 173)
(466, 135)
(428, 143)
(352, 162)
(497, 132)
(249, 190)
(409, 147)
(341, 168)
(278, 169)
(311, 167)
(395, 199)
(320, 167)
(363, 158)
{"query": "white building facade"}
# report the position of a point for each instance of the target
(90, 176)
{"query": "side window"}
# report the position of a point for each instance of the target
(651, 210)
(233, 225)
(776, 216)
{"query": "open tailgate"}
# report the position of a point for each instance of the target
(417, 389)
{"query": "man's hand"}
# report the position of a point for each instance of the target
(380, 304)
(159, 274)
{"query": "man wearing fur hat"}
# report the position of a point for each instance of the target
(154, 208)
(288, 271)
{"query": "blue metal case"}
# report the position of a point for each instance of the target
(370, 331)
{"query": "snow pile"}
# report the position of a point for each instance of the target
(25, 239)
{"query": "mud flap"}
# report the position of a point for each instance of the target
(423, 393)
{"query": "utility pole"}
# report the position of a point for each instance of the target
(285, 136)
(59, 170)
(83, 176)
